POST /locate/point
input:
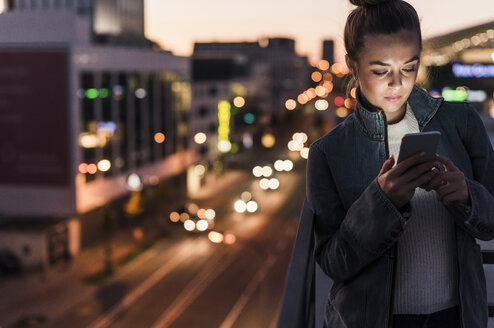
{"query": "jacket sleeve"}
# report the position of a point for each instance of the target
(478, 220)
(347, 241)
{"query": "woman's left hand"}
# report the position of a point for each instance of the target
(450, 184)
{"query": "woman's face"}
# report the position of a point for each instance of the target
(386, 71)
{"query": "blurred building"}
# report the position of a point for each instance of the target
(459, 66)
(85, 102)
(254, 78)
(328, 51)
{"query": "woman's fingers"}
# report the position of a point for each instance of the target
(388, 165)
(448, 164)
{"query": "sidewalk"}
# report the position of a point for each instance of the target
(47, 294)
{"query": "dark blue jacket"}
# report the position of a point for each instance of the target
(357, 226)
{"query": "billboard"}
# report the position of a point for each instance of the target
(34, 121)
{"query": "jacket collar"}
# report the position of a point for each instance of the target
(373, 124)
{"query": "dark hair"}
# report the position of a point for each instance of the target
(378, 17)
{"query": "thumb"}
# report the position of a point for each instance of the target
(388, 164)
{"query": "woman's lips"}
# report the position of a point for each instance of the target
(393, 98)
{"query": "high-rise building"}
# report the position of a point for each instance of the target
(328, 51)
(93, 101)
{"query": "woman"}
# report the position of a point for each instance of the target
(398, 240)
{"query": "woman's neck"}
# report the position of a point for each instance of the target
(391, 118)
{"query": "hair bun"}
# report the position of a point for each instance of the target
(365, 3)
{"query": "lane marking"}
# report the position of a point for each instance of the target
(201, 281)
(110, 316)
(248, 292)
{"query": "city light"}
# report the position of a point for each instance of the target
(92, 93)
(83, 168)
(288, 165)
(268, 140)
(184, 217)
(189, 225)
(92, 168)
(134, 182)
(140, 93)
(339, 101)
(200, 138)
(239, 102)
(240, 206)
(257, 171)
(264, 183)
(348, 103)
(274, 184)
(159, 137)
(174, 217)
(246, 196)
(302, 99)
(323, 65)
(321, 104)
(353, 92)
(341, 112)
(104, 165)
(201, 213)
(279, 165)
(199, 169)
(229, 238)
(224, 146)
(202, 225)
(210, 214)
(290, 104)
(224, 114)
(321, 91)
(251, 206)
(267, 171)
(215, 237)
(192, 207)
(300, 136)
(316, 76)
(304, 153)
(249, 118)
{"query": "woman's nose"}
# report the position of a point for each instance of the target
(395, 81)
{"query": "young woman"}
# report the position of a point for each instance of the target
(398, 240)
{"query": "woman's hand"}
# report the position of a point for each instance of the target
(450, 184)
(399, 182)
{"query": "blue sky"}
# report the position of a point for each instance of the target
(176, 24)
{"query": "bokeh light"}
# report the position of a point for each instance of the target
(304, 153)
(290, 104)
(257, 171)
(159, 137)
(316, 76)
(174, 217)
(323, 65)
(239, 102)
(92, 168)
(321, 104)
(189, 225)
(104, 165)
(200, 138)
(215, 237)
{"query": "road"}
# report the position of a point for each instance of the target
(191, 282)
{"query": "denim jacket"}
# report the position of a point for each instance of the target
(357, 226)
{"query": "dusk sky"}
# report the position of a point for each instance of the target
(176, 25)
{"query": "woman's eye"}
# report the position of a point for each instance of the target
(379, 73)
(409, 70)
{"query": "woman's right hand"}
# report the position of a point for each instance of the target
(399, 182)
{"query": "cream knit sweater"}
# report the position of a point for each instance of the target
(426, 279)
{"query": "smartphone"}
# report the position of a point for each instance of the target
(413, 143)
